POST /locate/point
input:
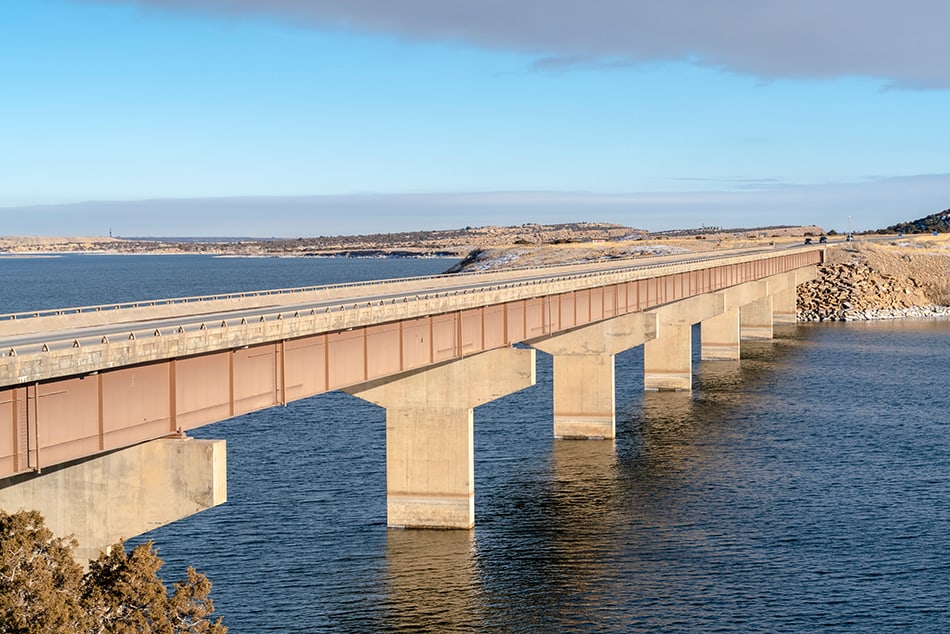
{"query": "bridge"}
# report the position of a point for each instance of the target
(96, 401)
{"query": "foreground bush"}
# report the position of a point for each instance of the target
(44, 590)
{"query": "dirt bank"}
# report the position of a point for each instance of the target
(870, 278)
(879, 280)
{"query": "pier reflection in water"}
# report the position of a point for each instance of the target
(431, 581)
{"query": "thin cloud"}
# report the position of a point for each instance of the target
(902, 42)
(871, 205)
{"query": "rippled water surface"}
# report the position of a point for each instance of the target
(805, 488)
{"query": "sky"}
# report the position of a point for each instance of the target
(291, 118)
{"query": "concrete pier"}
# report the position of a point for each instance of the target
(785, 305)
(430, 451)
(584, 383)
(755, 319)
(720, 336)
(667, 359)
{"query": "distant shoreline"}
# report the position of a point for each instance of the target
(26, 255)
(449, 243)
(29, 256)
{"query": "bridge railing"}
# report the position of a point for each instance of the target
(198, 299)
(76, 310)
(494, 282)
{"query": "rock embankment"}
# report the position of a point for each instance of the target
(878, 281)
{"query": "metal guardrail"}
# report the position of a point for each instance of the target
(75, 310)
(350, 304)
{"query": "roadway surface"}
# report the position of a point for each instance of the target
(193, 317)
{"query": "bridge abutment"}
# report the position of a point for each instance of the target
(123, 493)
(584, 381)
(430, 454)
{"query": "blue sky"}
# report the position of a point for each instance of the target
(313, 117)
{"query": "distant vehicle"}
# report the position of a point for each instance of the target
(822, 239)
(850, 238)
(807, 240)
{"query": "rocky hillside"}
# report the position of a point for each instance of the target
(879, 280)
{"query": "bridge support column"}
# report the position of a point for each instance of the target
(123, 493)
(584, 382)
(755, 319)
(784, 291)
(785, 306)
(720, 337)
(667, 359)
(430, 456)
(785, 302)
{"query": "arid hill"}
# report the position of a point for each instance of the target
(446, 243)
(449, 242)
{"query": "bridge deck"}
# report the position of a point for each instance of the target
(80, 381)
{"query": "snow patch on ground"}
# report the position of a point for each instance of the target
(657, 249)
(490, 260)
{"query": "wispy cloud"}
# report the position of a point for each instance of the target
(902, 42)
(739, 183)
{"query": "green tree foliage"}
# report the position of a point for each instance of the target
(939, 222)
(40, 582)
(43, 589)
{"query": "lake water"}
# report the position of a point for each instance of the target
(805, 488)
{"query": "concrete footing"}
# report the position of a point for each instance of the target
(124, 493)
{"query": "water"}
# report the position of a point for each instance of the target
(806, 488)
(87, 280)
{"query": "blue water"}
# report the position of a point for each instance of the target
(805, 488)
(87, 280)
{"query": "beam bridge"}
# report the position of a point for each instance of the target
(81, 389)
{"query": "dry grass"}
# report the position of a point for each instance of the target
(520, 256)
(925, 259)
